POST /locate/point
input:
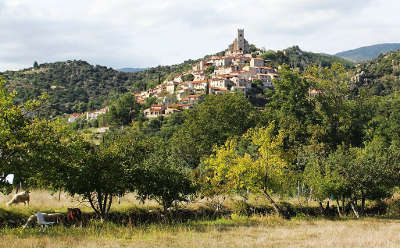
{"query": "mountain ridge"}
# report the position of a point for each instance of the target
(366, 53)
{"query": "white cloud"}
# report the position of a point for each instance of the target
(122, 33)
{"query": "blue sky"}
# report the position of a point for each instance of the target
(131, 33)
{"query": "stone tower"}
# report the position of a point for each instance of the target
(239, 45)
(240, 39)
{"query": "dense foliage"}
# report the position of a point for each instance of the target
(380, 76)
(296, 58)
(76, 86)
(319, 129)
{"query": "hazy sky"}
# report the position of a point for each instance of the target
(144, 33)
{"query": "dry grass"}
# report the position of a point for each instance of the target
(270, 231)
(264, 232)
(46, 201)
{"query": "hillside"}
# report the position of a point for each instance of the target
(295, 57)
(368, 52)
(77, 86)
(380, 76)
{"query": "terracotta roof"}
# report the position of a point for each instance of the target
(200, 81)
(76, 115)
(217, 88)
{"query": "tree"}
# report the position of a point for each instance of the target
(35, 65)
(124, 110)
(97, 173)
(264, 172)
(166, 179)
(290, 106)
(188, 77)
(211, 123)
(339, 117)
(21, 130)
(209, 70)
(352, 174)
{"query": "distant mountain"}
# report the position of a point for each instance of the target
(128, 69)
(366, 53)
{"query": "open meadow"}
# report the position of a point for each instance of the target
(231, 230)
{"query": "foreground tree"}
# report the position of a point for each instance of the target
(263, 171)
(21, 133)
(97, 173)
(349, 175)
(165, 178)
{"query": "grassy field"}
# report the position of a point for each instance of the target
(232, 231)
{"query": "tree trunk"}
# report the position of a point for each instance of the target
(276, 208)
(363, 206)
(354, 209)
(89, 197)
(321, 208)
(338, 207)
(343, 205)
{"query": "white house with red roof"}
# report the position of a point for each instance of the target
(73, 117)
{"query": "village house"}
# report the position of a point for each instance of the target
(223, 62)
(194, 98)
(181, 105)
(92, 115)
(199, 66)
(217, 91)
(220, 83)
(257, 62)
(154, 111)
(73, 117)
(200, 85)
(171, 87)
(170, 110)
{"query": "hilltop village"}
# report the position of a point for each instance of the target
(236, 71)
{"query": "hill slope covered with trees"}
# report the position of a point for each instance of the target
(380, 76)
(77, 86)
(297, 58)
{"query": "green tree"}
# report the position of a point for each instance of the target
(166, 179)
(352, 174)
(209, 70)
(290, 106)
(265, 171)
(188, 77)
(123, 111)
(21, 130)
(211, 123)
(35, 65)
(97, 173)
